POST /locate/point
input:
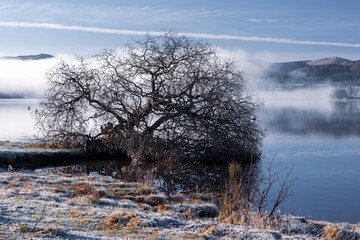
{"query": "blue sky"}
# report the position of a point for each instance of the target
(273, 30)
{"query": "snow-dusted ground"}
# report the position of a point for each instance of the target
(45, 204)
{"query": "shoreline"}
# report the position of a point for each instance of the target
(32, 156)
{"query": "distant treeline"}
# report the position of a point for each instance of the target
(346, 93)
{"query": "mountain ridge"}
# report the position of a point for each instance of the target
(28, 57)
(332, 69)
(329, 60)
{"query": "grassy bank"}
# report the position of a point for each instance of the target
(53, 205)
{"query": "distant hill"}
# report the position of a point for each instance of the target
(29, 57)
(326, 61)
(333, 69)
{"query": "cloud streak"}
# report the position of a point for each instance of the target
(194, 35)
(266, 20)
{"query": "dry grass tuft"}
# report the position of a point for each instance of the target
(188, 214)
(144, 191)
(112, 220)
(251, 218)
(90, 200)
(101, 226)
(24, 179)
(96, 195)
(208, 230)
(82, 189)
(161, 209)
(53, 229)
(154, 200)
(58, 189)
(236, 203)
(84, 220)
(116, 219)
(74, 214)
(21, 198)
(134, 223)
(23, 228)
(356, 228)
(331, 232)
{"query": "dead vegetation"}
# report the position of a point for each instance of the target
(250, 199)
(119, 219)
(331, 232)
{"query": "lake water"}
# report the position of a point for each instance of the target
(16, 123)
(320, 137)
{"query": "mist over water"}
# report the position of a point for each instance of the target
(24, 77)
(27, 78)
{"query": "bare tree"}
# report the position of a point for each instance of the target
(161, 96)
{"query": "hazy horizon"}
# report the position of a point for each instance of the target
(27, 78)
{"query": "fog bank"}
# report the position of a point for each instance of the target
(24, 78)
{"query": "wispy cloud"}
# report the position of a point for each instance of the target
(126, 13)
(74, 28)
(194, 35)
(267, 20)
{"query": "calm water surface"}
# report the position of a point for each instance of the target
(16, 123)
(320, 137)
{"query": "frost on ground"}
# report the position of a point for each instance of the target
(44, 205)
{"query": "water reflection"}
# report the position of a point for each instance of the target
(321, 138)
(342, 120)
(169, 177)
